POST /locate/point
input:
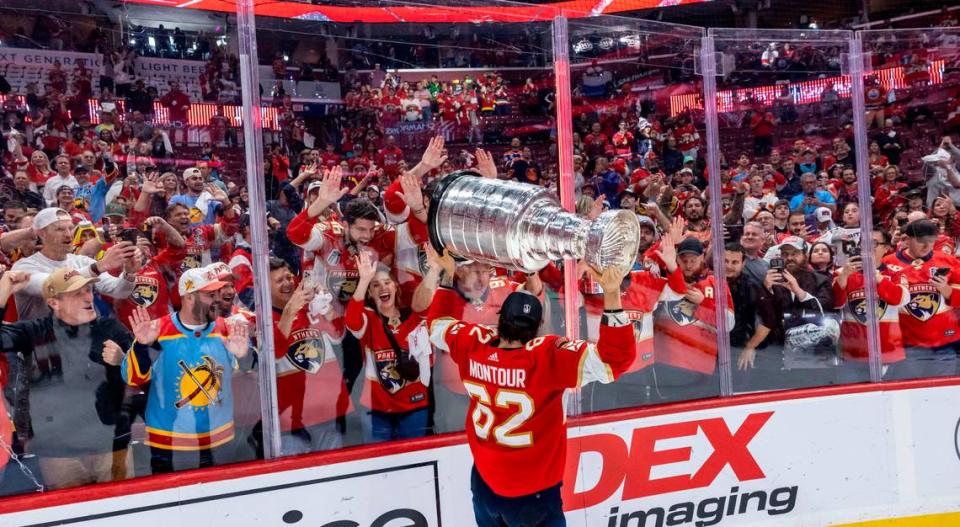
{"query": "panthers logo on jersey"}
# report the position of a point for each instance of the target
(387, 374)
(681, 311)
(144, 295)
(342, 284)
(196, 215)
(859, 310)
(923, 305)
(307, 351)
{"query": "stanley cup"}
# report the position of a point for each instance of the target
(523, 227)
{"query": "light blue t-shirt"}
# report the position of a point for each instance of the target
(195, 214)
(825, 198)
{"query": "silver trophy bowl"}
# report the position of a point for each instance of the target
(523, 227)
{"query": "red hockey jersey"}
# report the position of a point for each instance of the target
(892, 294)
(516, 418)
(927, 319)
(384, 390)
(685, 334)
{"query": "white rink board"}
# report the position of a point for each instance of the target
(816, 461)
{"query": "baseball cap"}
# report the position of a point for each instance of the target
(690, 246)
(313, 186)
(65, 280)
(49, 216)
(114, 209)
(687, 159)
(523, 309)
(921, 229)
(221, 270)
(796, 242)
(193, 171)
(374, 188)
(200, 279)
(823, 214)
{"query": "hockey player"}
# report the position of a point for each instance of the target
(516, 383)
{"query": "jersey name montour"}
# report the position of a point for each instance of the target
(506, 377)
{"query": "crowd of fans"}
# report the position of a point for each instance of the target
(129, 287)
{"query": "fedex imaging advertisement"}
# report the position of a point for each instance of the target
(770, 460)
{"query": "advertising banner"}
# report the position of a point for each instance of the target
(808, 461)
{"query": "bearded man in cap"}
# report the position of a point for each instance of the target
(188, 358)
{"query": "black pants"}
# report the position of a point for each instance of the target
(540, 509)
(163, 461)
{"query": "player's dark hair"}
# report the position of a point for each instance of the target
(430, 188)
(278, 263)
(360, 209)
(509, 330)
(735, 247)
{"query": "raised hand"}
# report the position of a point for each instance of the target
(331, 190)
(237, 340)
(411, 193)
(112, 353)
(116, 256)
(486, 166)
(668, 251)
(677, 228)
(151, 184)
(144, 328)
(610, 279)
(217, 193)
(597, 207)
(443, 262)
(11, 282)
(433, 156)
(366, 266)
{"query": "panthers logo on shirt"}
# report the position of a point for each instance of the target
(307, 351)
(386, 365)
(190, 261)
(145, 292)
(923, 305)
(196, 215)
(199, 386)
(342, 283)
(858, 306)
(681, 311)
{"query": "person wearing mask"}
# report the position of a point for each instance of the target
(928, 320)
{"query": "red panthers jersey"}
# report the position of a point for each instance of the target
(515, 424)
(330, 258)
(891, 296)
(685, 334)
(384, 390)
(927, 319)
